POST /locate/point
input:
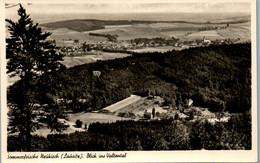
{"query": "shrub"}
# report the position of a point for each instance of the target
(78, 123)
(147, 115)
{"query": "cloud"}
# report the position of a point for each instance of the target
(135, 8)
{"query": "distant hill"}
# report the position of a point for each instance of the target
(93, 24)
(89, 24)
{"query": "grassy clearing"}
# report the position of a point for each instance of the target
(205, 33)
(165, 30)
(79, 60)
(138, 107)
(241, 31)
(117, 106)
(86, 118)
(131, 32)
(62, 34)
(177, 34)
(212, 35)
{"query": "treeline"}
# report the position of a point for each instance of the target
(167, 134)
(213, 28)
(154, 41)
(108, 36)
(218, 77)
(124, 50)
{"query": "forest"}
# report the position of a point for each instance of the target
(216, 77)
(167, 134)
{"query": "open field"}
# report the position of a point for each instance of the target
(115, 107)
(212, 35)
(234, 31)
(189, 27)
(141, 105)
(116, 26)
(137, 105)
(78, 60)
(176, 34)
(100, 21)
(185, 31)
(131, 32)
(165, 30)
(159, 26)
(62, 34)
(123, 33)
(241, 31)
(86, 118)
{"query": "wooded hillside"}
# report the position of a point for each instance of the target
(218, 77)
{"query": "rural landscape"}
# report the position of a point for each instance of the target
(129, 84)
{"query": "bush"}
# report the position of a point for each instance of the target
(176, 116)
(78, 123)
(147, 115)
(126, 114)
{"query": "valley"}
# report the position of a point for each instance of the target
(131, 84)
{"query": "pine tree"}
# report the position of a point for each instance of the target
(31, 57)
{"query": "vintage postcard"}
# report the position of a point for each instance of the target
(137, 81)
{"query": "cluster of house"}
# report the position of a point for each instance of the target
(70, 50)
(139, 43)
(206, 42)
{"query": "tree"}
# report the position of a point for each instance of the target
(78, 123)
(153, 112)
(38, 65)
(147, 115)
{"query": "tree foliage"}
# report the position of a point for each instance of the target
(216, 77)
(78, 123)
(36, 62)
(166, 134)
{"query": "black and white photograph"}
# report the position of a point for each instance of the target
(112, 81)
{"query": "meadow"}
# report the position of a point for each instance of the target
(183, 31)
(78, 60)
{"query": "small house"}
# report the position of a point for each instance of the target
(97, 73)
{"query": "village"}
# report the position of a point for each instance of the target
(75, 48)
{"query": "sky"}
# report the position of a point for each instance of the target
(134, 8)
